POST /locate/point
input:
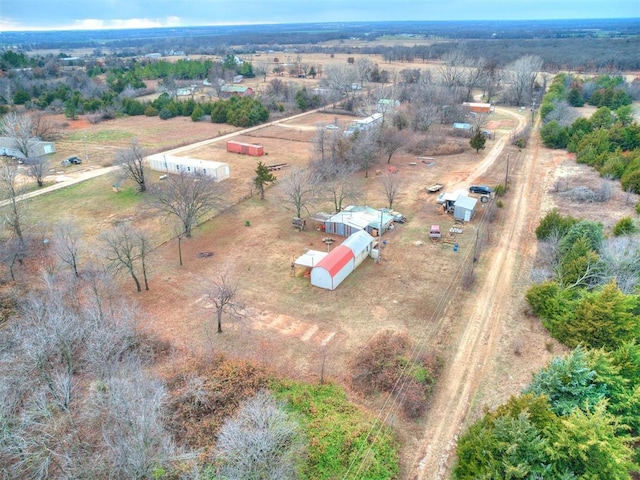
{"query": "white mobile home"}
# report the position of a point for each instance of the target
(360, 243)
(172, 164)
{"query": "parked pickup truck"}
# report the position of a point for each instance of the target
(436, 187)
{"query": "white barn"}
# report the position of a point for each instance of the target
(172, 164)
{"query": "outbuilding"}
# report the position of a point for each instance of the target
(360, 243)
(355, 218)
(464, 208)
(171, 164)
(334, 268)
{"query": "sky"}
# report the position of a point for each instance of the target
(16, 15)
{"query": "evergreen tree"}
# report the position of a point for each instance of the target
(263, 178)
(478, 141)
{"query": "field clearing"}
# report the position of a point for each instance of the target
(288, 324)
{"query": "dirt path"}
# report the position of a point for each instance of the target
(485, 311)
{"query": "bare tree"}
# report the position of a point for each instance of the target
(261, 441)
(365, 149)
(68, 243)
(19, 128)
(479, 120)
(390, 140)
(390, 186)
(187, 197)
(38, 169)
(125, 249)
(74, 401)
(363, 66)
(298, 190)
(340, 78)
(12, 251)
(131, 163)
(15, 211)
(523, 73)
(223, 294)
(452, 72)
(473, 76)
(336, 180)
(44, 127)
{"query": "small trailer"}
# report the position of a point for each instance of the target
(436, 187)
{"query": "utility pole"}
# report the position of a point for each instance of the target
(506, 176)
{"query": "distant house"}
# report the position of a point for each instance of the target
(37, 148)
(153, 55)
(463, 128)
(240, 90)
(475, 107)
(387, 105)
(238, 79)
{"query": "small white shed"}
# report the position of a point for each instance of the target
(333, 269)
(172, 164)
(464, 208)
(360, 243)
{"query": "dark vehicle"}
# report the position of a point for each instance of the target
(71, 161)
(482, 189)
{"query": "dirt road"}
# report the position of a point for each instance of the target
(485, 310)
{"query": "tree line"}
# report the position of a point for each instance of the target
(578, 417)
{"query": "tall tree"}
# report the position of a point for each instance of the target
(298, 190)
(131, 163)
(126, 248)
(223, 294)
(390, 140)
(263, 178)
(15, 211)
(38, 169)
(68, 244)
(390, 186)
(188, 198)
(19, 128)
(523, 73)
(478, 141)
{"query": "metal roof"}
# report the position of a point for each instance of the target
(310, 258)
(336, 260)
(466, 202)
(358, 241)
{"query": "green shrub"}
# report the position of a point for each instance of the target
(624, 226)
(500, 190)
(554, 224)
(339, 434)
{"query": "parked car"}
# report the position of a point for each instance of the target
(72, 161)
(397, 216)
(332, 126)
(481, 189)
(486, 134)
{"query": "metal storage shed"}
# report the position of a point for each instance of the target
(355, 218)
(333, 269)
(464, 208)
(360, 244)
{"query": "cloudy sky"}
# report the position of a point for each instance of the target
(97, 14)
